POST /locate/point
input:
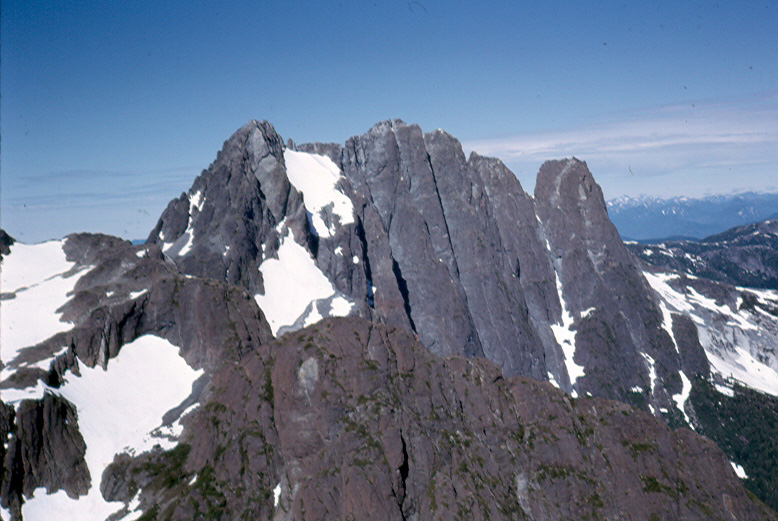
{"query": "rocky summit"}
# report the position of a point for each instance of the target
(384, 329)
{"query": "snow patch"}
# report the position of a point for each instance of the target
(316, 177)
(136, 294)
(726, 391)
(660, 283)
(117, 408)
(132, 509)
(746, 369)
(292, 281)
(652, 375)
(586, 312)
(565, 337)
(31, 264)
(189, 234)
(355, 259)
(183, 244)
(313, 317)
(276, 495)
(340, 307)
(37, 275)
(739, 470)
(196, 201)
(680, 399)
(667, 319)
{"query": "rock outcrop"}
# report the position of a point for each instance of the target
(357, 420)
(448, 247)
(44, 449)
(122, 293)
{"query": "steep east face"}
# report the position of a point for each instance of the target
(409, 232)
(421, 247)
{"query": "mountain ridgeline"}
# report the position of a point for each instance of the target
(447, 247)
(385, 329)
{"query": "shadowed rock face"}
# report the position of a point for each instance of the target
(356, 420)
(232, 209)
(44, 449)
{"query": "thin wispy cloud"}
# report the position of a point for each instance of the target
(53, 204)
(707, 141)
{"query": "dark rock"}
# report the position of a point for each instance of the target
(597, 271)
(46, 450)
(356, 420)
(6, 241)
(233, 209)
(128, 292)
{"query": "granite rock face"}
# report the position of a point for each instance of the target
(357, 420)
(45, 449)
(218, 228)
(447, 247)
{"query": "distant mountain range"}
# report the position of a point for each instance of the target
(648, 219)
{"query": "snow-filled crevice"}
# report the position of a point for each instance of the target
(652, 377)
(294, 287)
(316, 177)
(565, 337)
(183, 244)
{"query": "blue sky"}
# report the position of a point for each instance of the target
(110, 109)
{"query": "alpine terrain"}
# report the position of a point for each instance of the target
(385, 329)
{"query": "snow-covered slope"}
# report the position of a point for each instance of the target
(737, 327)
(36, 281)
(120, 410)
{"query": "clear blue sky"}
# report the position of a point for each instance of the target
(110, 109)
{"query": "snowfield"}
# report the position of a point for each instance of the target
(292, 282)
(41, 280)
(739, 345)
(118, 411)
